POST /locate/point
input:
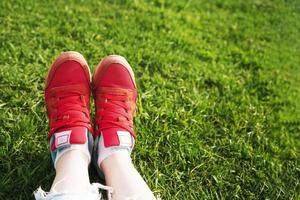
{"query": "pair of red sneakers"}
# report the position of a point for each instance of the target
(67, 96)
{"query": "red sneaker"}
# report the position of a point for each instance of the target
(67, 97)
(115, 96)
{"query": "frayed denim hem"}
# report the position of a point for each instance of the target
(92, 194)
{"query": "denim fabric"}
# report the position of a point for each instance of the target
(68, 196)
(92, 194)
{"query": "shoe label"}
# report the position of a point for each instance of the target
(125, 138)
(62, 138)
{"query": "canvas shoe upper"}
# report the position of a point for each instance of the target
(115, 96)
(67, 97)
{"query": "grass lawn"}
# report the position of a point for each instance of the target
(219, 91)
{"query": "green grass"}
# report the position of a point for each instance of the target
(219, 91)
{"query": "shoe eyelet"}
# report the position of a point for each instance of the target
(66, 117)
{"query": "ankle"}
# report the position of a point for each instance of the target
(72, 156)
(72, 149)
(114, 152)
(117, 162)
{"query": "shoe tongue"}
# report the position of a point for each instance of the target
(63, 138)
(117, 137)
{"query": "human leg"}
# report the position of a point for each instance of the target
(67, 95)
(115, 98)
(125, 180)
(71, 173)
